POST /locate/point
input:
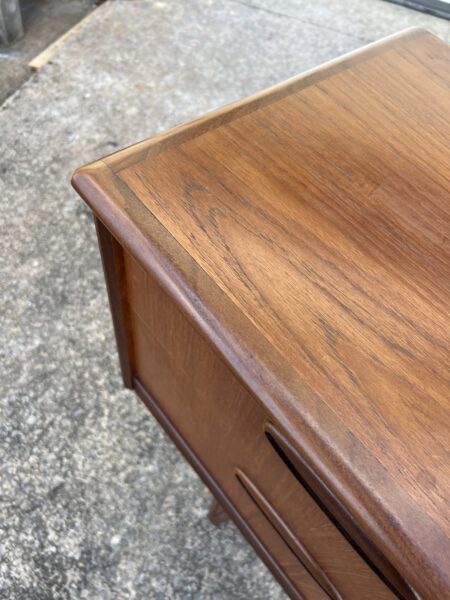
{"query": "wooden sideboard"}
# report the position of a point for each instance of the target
(278, 274)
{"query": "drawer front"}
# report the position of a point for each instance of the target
(235, 440)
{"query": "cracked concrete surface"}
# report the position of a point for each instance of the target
(94, 500)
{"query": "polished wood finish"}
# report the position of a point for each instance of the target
(266, 538)
(225, 427)
(113, 268)
(284, 290)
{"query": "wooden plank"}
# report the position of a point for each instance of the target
(46, 55)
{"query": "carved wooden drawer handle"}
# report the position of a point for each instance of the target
(337, 513)
(288, 536)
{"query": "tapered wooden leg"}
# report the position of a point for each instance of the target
(217, 514)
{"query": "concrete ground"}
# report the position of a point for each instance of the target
(94, 500)
(44, 21)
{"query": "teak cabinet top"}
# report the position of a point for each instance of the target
(305, 231)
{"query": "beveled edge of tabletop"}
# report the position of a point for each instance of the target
(137, 152)
(407, 536)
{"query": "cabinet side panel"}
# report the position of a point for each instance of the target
(112, 255)
(223, 427)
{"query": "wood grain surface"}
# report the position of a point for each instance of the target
(225, 428)
(306, 234)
